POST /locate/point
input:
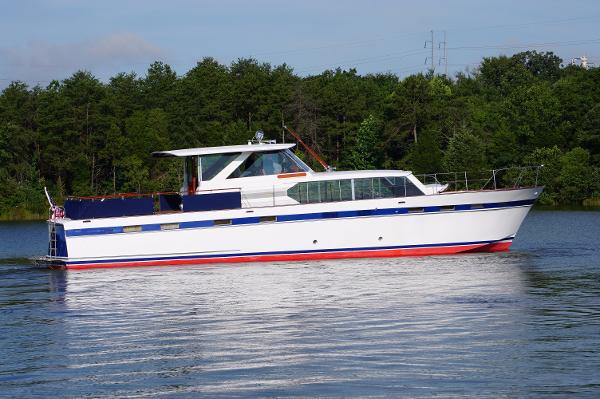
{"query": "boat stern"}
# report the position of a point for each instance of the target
(57, 253)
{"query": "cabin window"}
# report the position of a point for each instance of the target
(411, 190)
(267, 163)
(384, 187)
(341, 190)
(214, 163)
(321, 191)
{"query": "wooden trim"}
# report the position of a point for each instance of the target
(286, 175)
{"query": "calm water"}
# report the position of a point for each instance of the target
(518, 324)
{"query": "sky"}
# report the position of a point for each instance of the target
(42, 40)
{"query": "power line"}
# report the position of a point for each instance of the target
(400, 55)
(527, 45)
(526, 24)
(396, 36)
(361, 61)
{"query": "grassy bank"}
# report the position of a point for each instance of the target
(22, 215)
(592, 202)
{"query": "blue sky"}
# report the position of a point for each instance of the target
(43, 40)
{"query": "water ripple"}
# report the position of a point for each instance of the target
(520, 324)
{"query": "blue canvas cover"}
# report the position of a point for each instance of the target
(212, 201)
(108, 207)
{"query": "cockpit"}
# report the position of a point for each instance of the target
(204, 167)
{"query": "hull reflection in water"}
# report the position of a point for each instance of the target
(347, 326)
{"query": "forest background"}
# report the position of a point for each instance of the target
(81, 136)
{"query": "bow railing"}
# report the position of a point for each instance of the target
(494, 179)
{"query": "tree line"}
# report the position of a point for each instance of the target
(82, 136)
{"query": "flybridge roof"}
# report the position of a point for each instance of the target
(187, 152)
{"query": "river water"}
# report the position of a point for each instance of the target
(520, 324)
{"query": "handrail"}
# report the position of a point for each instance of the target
(120, 195)
(502, 178)
(130, 195)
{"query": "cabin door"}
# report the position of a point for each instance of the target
(191, 174)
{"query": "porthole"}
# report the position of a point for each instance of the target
(222, 222)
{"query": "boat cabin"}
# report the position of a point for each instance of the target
(249, 176)
(268, 174)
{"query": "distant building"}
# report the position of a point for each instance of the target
(582, 61)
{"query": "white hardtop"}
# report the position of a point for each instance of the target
(356, 174)
(187, 152)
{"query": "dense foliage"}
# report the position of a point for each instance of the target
(82, 136)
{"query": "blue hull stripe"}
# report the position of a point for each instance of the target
(308, 251)
(308, 216)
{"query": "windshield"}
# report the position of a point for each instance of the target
(268, 163)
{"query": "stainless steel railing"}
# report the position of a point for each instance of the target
(495, 179)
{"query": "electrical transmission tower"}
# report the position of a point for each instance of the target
(431, 59)
(444, 50)
(443, 57)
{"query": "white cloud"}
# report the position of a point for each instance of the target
(42, 61)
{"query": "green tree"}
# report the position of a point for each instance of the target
(501, 75)
(534, 115)
(588, 134)
(544, 65)
(426, 155)
(363, 153)
(549, 174)
(576, 177)
(465, 152)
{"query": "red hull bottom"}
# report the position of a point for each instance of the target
(388, 253)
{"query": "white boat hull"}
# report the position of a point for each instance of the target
(424, 225)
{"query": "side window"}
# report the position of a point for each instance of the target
(341, 190)
(345, 190)
(321, 191)
(363, 189)
(411, 189)
(214, 163)
(265, 164)
(248, 167)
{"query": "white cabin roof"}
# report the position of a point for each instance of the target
(357, 174)
(222, 150)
